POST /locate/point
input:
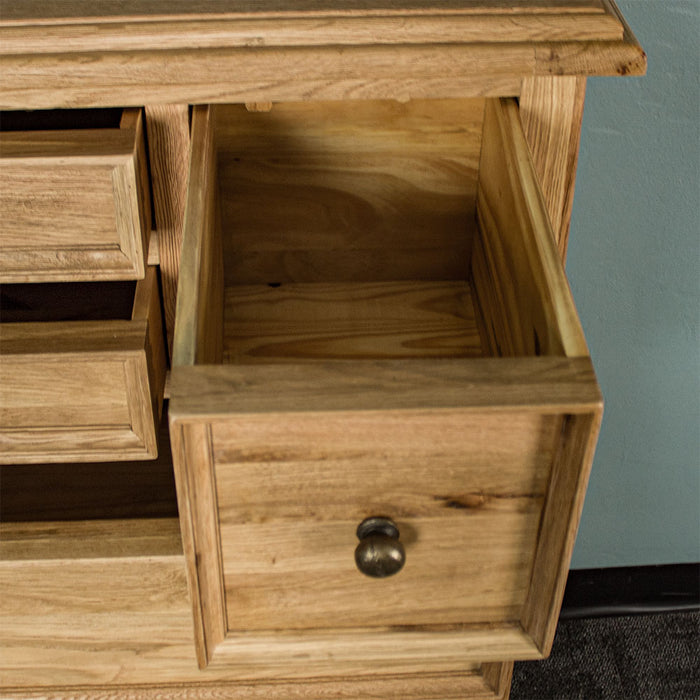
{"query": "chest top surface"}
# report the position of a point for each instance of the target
(83, 54)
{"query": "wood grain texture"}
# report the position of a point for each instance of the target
(332, 652)
(169, 147)
(84, 539)
(340, 192)
(103, 612)
(539, 384)
(196, 490)
(30, 11)
(520, 286)
(83, 391)
(338, 423)
(153, 54)
(74, 204)
(442, 686)
(169, 34)
(200, 300)
(292, 490)
(292, 74)
(551, 110)
(498, 676)
(380, 320)
(560, 519)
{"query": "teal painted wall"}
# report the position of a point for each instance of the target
(634, 268)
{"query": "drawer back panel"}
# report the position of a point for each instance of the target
(348, 191)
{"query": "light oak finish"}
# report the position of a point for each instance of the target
(514, 260)
(103, 612)
(277, 462)
(551, 109)
(312, 322)
(427, 686)
(74, 204)
(200, 315)
(83, 390)
(357, 244)
(167, 26)
(292, 489)
(498, 676)
(532, 384)
(250, 53)
(169, 149)
(348, 191)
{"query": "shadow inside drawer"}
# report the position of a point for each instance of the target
(87, 491)
(66, 301)
(52, 119)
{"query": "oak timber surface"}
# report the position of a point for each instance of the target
(312, 322)
(292, 490)
(32, 10)
(73, 204)
(156, 53)
(514, 261)
(342, 191)
(105, 602)
(83, 390)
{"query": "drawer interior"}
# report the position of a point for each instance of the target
(347, 230)
(374, 230)
(60, 119)
(47, 302)
(82, 371)
(70, 491)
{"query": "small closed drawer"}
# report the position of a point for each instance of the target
(82, 370)
(74, 202)
(83, 598)
(373, 321)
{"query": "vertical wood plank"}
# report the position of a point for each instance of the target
(551, 110)
(168, 146)
(519, 282)
(197, 503)
(498, 676)
(558, 527)
(200, 300)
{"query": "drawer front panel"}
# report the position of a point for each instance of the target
(101, 610)
(74, 204)
(465, 491)
(63, 391)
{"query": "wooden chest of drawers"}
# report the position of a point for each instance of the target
(364, 216)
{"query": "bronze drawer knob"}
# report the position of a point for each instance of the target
(379, 554)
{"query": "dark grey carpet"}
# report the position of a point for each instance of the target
(642, 657)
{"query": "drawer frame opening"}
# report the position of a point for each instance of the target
(260, 444)
(84, 390)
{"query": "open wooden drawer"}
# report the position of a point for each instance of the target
(82, 370)
(74, 196)
(373, 320)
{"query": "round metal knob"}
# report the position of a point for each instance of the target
(379, 554)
